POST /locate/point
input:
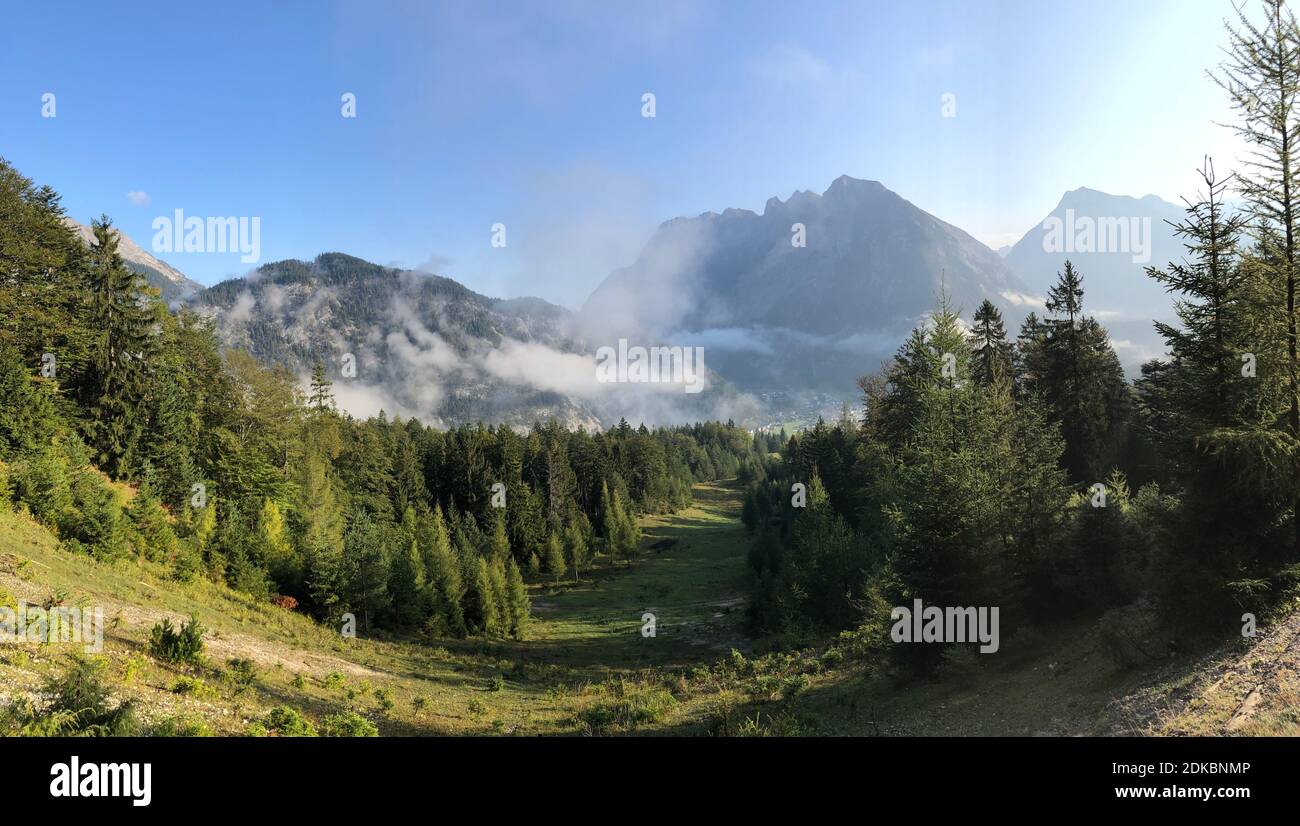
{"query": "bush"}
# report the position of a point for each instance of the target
(184, 646)
(630, 707)
(242, 673)
(76, 704)
(193, 686)
(283, 721)
(181, 725)
(348, 724)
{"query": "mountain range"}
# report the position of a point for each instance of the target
(776, 311)
(416, 344)
(791, 304)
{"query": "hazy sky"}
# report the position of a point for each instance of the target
(530, 114)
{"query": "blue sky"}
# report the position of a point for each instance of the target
(529, 114)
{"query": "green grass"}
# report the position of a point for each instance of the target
(586, 668)
(695, 591)
(585, 638)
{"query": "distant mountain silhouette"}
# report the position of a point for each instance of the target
(1116, 288)
(776, 316)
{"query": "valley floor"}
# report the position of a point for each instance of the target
(589, 665)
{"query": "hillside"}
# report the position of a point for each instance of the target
(422, 345)
(426, 346)
(586, 668)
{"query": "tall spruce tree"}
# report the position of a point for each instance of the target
(988, 341)
(1068, 361)
(1262, 78)
(1215, 419)
(118, 381)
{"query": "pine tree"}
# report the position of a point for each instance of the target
(500, 597)
(518, 600)
(988, 341)
(610, 519)
(320, 396)
(406, 585)
(575, 542)
(154, 537)
(276, 550)
(1262, 78)
(500, 542)
(365, 568)
(554, 556)
(443, 575)
(117, 383)
(1073, 368)
(483, 611)
(624, 532)
(1216, 426)
(322, 534)
(973, 484)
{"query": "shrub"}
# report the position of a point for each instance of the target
(183, 646)
(181, 725)
(193, 686)
(631, 707)
(76, 704)
(348, 724)
(283, 721)
(242, 673)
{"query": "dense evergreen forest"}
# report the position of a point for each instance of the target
(130, 434)
(1029, 474)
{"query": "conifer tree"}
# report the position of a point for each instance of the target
(500, 542)
(320, 396)
(988, 341)
(1072, 367)
(518, 600)
(500, 597)
(155, 539)
(406, 585)
(118, 380)
(276, 549)
(443, 575)
(611, 517)
(1262, 78)
(483, 611)
(1215, 425)
(575, 542)
(554, 556)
